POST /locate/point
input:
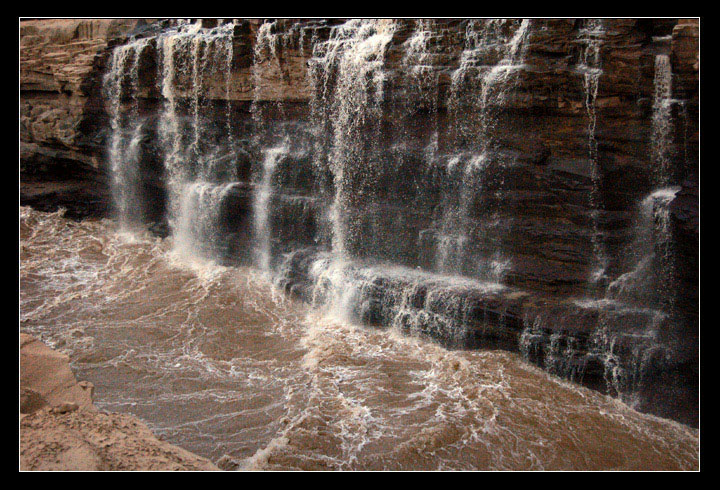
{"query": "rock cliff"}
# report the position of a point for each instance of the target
(60, 163)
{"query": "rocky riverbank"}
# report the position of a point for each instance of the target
(61, 429)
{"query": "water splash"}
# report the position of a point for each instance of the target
(198, 233)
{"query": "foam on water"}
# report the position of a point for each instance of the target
(224, 364)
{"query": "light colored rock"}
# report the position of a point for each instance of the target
(46, 378)
(89, 441)
(60, 429)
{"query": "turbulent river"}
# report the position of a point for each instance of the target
(217, 361)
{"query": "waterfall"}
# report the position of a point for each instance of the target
(649, 281)
(418, 61)
(347, 76)
(446, 309)
(626, 344)
(198, 232)
(590, 67)
(630, 350)
(661, 120)
(170, 128)
(388, 210)
(191, 58)
(262, 206)
(479, 89)
(265, 50)
(121, 80)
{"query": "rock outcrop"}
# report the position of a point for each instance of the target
(60, 428)
(61, 165)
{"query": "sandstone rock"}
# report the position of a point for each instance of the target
(60, 429)
(46, 374)
(227, 463)
(93, 441)
(65, 407)
(57, 59)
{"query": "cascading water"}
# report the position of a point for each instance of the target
(479, 88)
(592, 35)
(385, 172)
(347, 77)
(197, 165)
(418, 61)
(122, 79)
(650, 280)
(265, 50)
(262, 208)
(648, 286)
(333, 225)
(198, 232)
(626, 342)
(650, 252)
(661, 120)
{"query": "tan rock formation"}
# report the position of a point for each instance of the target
(46, 379)
(57, 60)
(60, 429)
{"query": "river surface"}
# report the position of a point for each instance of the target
(217, 361)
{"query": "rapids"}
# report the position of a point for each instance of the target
(218, 361)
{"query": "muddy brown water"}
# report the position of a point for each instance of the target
(217, 361)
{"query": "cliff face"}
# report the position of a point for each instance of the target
(543, 122)
(525, 147)
(60, 161)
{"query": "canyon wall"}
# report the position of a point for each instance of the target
(536, 154)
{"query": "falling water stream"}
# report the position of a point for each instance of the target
(126, 127)
(478, 91)
(591, 69)
(262, 207)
